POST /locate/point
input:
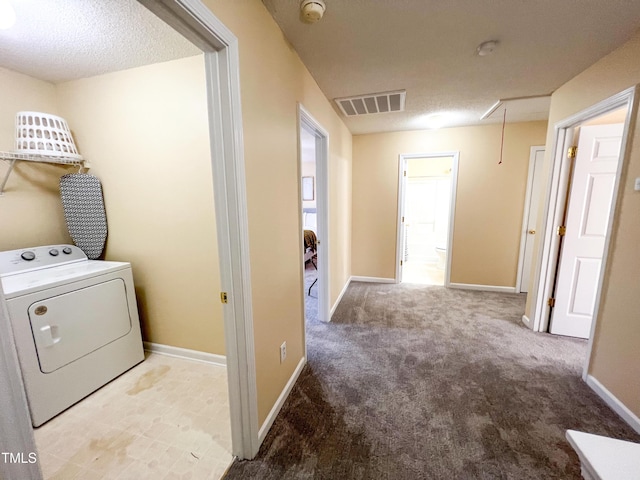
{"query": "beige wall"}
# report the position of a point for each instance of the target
(615, 360)
(145, 132)
(489, 201)
(30, 209)
(273, 80)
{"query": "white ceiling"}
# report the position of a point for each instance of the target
(428, 48)
(60, 40)
(360, 46)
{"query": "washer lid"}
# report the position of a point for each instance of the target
(34, 281)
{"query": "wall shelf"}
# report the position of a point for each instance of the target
(13, 157)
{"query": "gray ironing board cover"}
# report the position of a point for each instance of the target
(84, 212)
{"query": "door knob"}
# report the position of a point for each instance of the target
(531, 232)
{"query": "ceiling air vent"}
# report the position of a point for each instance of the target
(372, 103)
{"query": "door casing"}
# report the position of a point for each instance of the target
(547, 260)
(563, 319)
(311, 125)
(402, 182)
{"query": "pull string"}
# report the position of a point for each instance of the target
(504, 121)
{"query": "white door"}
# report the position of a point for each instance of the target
(531, 214)
(587, 228)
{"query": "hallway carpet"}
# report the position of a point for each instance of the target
(310, 301)
(418, 382)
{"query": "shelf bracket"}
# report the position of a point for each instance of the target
(6, 175)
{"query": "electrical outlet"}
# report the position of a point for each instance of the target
(283, 352)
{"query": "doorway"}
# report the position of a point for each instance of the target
(533, 196)
(585, 226)
(425, 217)
(313, 148)
(571, 212)
(222, 70)
(309, 223)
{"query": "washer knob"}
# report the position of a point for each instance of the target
(28, 256)
(54, 252)
(66, 250)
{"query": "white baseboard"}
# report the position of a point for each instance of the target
(178, 352)
(335, 305)
(264, 429)
(615, 404)
(373, 279)
(482, 288)
(527, 322)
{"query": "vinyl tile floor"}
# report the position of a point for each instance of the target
(167, 418)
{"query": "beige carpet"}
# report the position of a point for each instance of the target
(419, 382)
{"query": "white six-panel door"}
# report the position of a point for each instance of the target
(586, 229)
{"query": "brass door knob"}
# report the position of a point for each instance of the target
(532, 232)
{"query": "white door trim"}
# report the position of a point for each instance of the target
(197, 23)
(525, 214)
(305, 119)
(402, 166)
(402, 184)
(554, 206)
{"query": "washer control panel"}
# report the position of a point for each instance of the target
(26, 259)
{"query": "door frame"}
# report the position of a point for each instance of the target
(527, 210)
(402, 183)
(308, 122)
(575, 208)
(556, 197)
(198, 24)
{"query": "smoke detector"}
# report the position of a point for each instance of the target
(312, 10)
(486, 48)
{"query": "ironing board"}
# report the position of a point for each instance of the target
(84, 212)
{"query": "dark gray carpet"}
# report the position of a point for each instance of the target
(311, 292)
(419, 382)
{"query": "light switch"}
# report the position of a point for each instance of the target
(637, 185)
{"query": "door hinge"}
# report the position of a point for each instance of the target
(223, 297)
(402, 219)
(401, 262)
(404, 173)
(562, 230)
(572, 152)
(551, 302)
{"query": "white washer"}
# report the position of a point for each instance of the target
(75, 323)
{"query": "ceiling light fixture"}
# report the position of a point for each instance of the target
(312, 10)
(435, 121)
(7, 15)
(486, 48)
